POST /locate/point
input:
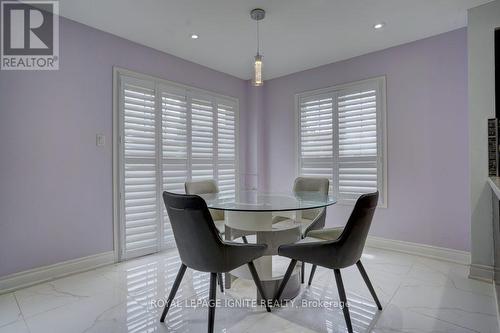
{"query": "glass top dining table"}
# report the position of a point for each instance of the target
(254, 201)
(266, 218)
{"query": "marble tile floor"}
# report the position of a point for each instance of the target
(418, 295)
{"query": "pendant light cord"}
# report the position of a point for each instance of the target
(258, 39)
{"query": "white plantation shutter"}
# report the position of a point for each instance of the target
(174, 141)
(169, 134)
(341, 137)
(174, 117)
(139, 183)
(357, 141)
(316, 136)
(202, 138)
(226, 147)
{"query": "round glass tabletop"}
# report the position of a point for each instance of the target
(267, 202)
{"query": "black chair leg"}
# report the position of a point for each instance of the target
(211, 302)
(258, 284)
(368, 283)
(343, 299)
(173, 291)
(220, 282)
(302, 272)
(311, 275)
(245, 240)
(288, 273)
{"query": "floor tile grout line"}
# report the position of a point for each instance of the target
(59, 306)
(19, 316)
(450, 280)
(21, 312)
(441, 320)
(389, 302)
(422, 314)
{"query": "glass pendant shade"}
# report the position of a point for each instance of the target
(257, 80)
(257, 14)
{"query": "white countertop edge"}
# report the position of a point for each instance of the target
(495, 185)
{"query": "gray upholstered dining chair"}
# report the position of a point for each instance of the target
(310, 184)
(323, 234)
(205, 187)
(336, 254)
(201, 248)
(310, 219)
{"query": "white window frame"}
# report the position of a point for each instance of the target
(380, 81)
(118, 158)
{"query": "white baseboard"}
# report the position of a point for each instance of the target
(429, 251)
(37, 275)
(482, 272)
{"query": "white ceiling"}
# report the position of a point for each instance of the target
(295, 35)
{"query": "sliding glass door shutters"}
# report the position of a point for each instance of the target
(169, 134)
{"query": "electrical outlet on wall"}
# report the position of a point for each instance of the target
(100, 140)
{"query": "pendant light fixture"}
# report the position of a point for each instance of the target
(257, 14)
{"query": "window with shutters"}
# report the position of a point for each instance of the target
(168, 134)
(341, 136)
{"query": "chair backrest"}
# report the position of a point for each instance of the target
(201, 187)
(352, 240)
(205, 187)
(311, 184)
(198, 242)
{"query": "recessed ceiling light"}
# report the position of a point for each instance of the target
(195, 36)
(379, 26)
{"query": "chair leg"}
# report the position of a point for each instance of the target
(245, 240)
(368, 284)
(288, 273)
(258, 284)
(302, 272)
(211, 302)
(173, 291)
(311, 275)
(220, 282)
(343, 299)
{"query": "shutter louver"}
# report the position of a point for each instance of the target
(174, 142)
(357, 123)
(202, 139)
(140, 173)
(357, 140)
(226, 148)
(174, 151)
(316, 136)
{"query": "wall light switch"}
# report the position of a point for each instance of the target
(100, 140)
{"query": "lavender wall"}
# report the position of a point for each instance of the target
(428, 187)
(56, 185)
(56, 195)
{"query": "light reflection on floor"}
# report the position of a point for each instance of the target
(418, 295)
